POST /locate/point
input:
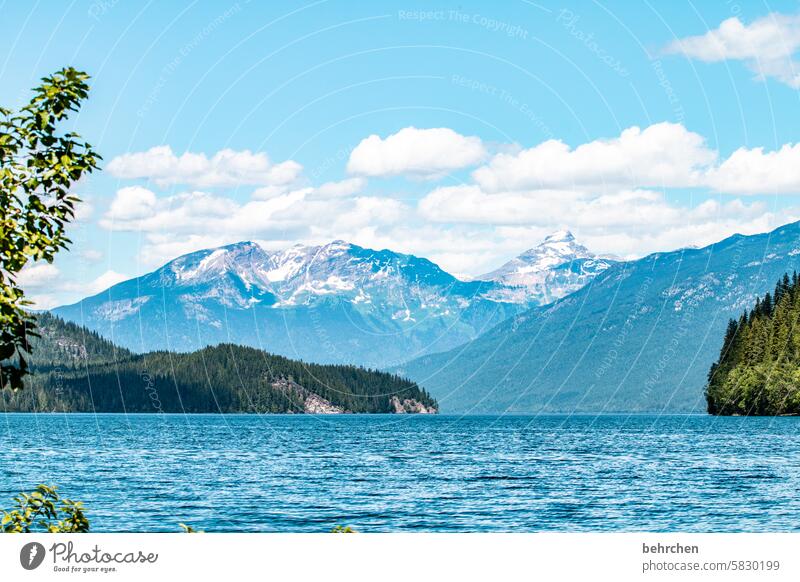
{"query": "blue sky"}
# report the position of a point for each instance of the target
(636, 125)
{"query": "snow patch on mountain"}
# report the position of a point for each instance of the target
(555, 268)
(117, 310)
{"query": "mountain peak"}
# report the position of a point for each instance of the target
(239, 246)
(559, 236)
(555, 267)
(338, 245)
(558, 247)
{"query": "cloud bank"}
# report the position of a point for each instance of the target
(426, 153)
(645, 189)
(226, 168)
(767, 46)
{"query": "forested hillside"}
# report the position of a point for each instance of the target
(76, 370)
(758, 370)
(63, 343)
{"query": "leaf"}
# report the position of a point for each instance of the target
(37, 169)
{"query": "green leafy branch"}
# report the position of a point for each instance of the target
(44, 510)
(37, 170)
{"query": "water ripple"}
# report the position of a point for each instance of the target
(384, 473)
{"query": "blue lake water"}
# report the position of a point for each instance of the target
(412, 473)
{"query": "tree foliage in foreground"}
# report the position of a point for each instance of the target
(758, 371)
(44, 510)
(38, 166)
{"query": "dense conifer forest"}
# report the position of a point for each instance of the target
(758, 371)
(76, 370)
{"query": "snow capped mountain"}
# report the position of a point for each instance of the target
(336, 302)
(242, 274)
(555, 268)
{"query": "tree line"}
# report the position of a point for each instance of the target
(75, 370)
(758, 370)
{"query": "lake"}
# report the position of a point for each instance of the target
(379, 473)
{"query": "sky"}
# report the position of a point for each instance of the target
(464, 132)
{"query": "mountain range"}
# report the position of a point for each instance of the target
(333, 303)
(554, 329)
(640, 337)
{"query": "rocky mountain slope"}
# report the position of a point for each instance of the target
(640, 337)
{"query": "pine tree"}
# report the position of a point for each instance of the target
(758, 369)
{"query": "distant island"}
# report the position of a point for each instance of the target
(76, 370)
(758, 370)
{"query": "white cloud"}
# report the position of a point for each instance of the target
(160, 248)
(766, 46)
(131, 203)
(425, 153)
(633, 244)
(463, 229)
(365, 210)
(459, 249)
(102, 282)
(37, 275)
(613, 193)
(84, 210)
(91, 255)
(469, 204)
(48, 288)
(139, 209)
(625, 222)
(629, 210)
(226, 168)
(664, 155)
(754, 171)
(343, 188)
(44, 300)
(194, 220)
(661, 155)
